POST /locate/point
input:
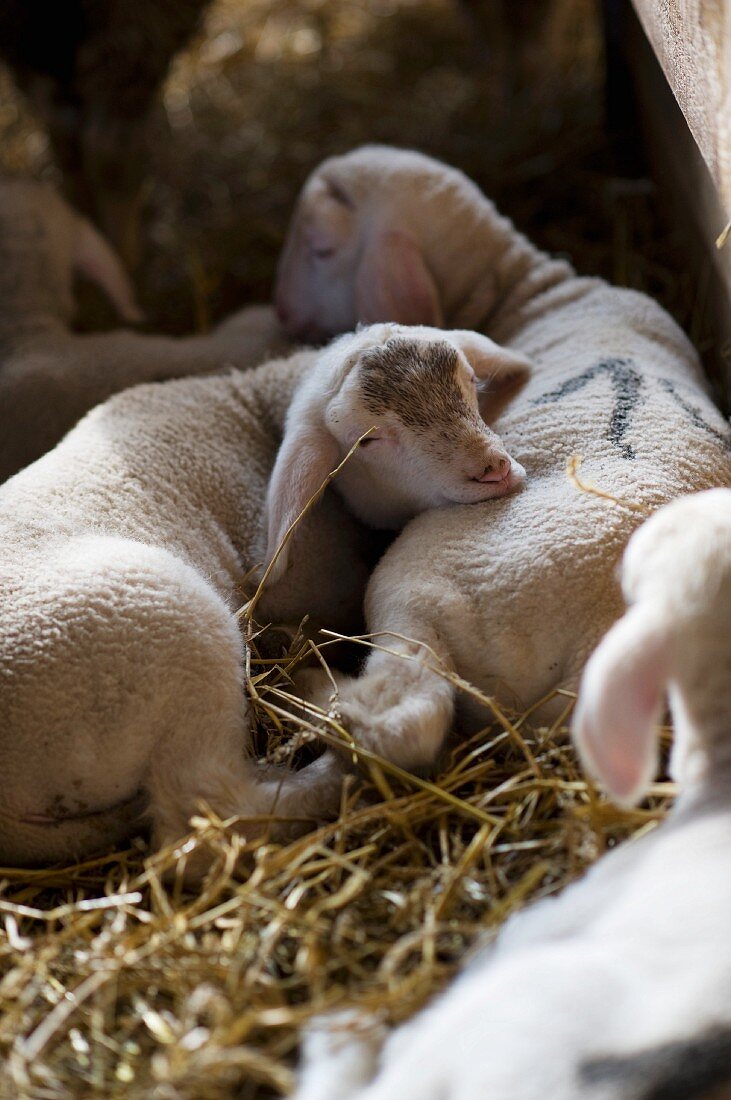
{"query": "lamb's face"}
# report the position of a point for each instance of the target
(416, 388)
(353, 253)
(429, 445)
(315, 291)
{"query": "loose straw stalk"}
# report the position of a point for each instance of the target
(572, 472)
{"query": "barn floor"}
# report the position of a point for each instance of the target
(112, 984)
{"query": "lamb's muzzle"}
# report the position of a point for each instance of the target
(497, 470)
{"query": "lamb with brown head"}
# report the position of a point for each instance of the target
(426, 398)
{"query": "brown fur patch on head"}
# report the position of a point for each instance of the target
(416, 381)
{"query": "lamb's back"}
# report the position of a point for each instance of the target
(524, 587)
(182, 465)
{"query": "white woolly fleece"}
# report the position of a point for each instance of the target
(619, 988)
(123, 556)
(514, 594)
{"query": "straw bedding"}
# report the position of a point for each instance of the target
(113, 980)
(115, 984)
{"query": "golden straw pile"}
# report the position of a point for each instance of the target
(116, 982)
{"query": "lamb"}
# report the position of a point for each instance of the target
(513, 597)
(124, 554)
(49, 377)
(619, 988)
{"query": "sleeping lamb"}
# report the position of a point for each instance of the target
(619, 989)
(124, 554)
(49, 377)
(515, 596)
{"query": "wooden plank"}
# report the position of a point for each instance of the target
(685, 180)
(692, 42)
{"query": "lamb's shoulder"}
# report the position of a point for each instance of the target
(588, 317)
(627, 390)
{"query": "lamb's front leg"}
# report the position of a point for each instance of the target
(402, 704)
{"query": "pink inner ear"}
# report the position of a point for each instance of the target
(619, 706)
(393, 283)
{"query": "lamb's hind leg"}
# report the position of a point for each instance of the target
(122, 695)
(202, 742)
(402, 704)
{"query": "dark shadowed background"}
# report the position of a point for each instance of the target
(272, 86)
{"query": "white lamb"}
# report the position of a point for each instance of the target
(515, 596)
(619, 989)
(124, 553)
(49, 376)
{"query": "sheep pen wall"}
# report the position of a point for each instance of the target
(113, 984)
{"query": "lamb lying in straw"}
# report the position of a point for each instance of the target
(512, 597)
(124, 555)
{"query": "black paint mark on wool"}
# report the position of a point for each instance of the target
(691, 1069)
(695, 415)
(626, 381)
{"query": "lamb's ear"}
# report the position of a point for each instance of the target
(394, 284)
(307, 455)
(503, 370)
(620, 704)
(95, 258)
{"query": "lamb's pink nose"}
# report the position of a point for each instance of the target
(496, 470)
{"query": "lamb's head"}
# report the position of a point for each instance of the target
(380, 234)
(43, 242)
(676, 635)
(426, 397)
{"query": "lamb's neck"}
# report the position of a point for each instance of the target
(272, 386)
(506, 274)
